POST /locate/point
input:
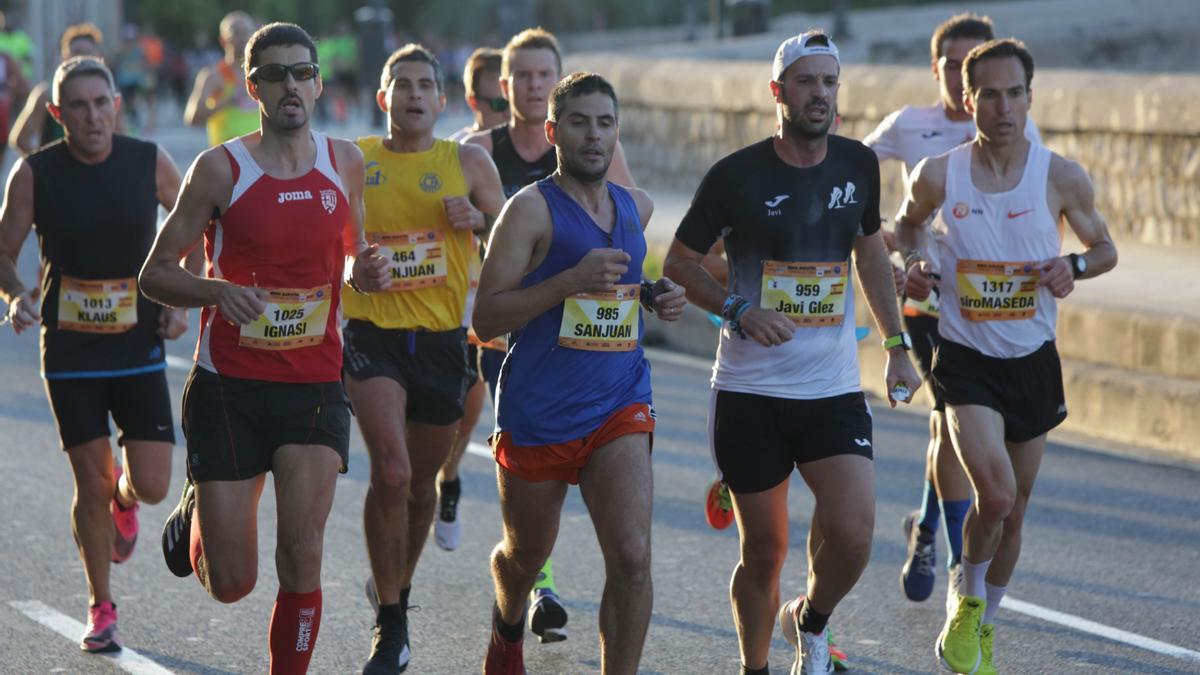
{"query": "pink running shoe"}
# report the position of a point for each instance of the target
(101, 633)
(125, 526)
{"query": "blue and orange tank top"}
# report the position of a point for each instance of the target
(570, 368)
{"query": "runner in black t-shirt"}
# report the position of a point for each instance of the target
(93, 198)
(786, 391)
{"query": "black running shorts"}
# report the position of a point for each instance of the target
(233, 426)
(472, 364)
(758, 440)
(1027, 391)
(431, 366)
(140, 405)
(923, 330)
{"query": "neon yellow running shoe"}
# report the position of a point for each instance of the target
(986, 632)
(547, 616)
(958, 645)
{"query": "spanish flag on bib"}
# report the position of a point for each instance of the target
(406, 216)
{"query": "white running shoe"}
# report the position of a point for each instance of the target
(812, 649)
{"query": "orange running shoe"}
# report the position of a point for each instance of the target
(718, 507)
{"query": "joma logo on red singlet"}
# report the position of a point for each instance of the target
(294, 196)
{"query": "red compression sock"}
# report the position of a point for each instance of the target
(294, 624)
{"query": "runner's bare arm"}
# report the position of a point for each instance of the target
(879, 287)
(518, 244)
(30, 122)
(481, 138)
(1078, 207)
(204, 194)
(197, 112)
(618, 169)
(173, 321)
(368, 270)
(684, 266)
(926, 191)
(645, 205)
(486, 196)
(16, 219)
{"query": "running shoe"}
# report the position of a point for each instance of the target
(125, 525)
(718, 507)
(953, 585)
(986, 633)
(958, 647)
(812, 650)
(100, 636)
(548, 618)
(390, 652)
(177, 532)
(447, 529)
(504, 657)
(916, 577)
(841, 662)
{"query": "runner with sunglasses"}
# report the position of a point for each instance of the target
(481, 80)
(281, 217)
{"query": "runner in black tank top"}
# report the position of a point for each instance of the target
(93, 199)
(515, 172)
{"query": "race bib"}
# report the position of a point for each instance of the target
(810, 294)
(997, 291)
(601, 322)
(416, 259)
(930, 306)
(293, 318)
(97, 306)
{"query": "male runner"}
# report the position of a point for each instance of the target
(406, 367)
(574, 403)
(219, 100)
(481, 84)
(481, 78)
(35, 126)
(786, 391)
(530, 68)
(93, 198)
(910, 135)
(276, 210)
(1001, 202)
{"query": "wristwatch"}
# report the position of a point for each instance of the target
(898, 340)
(1078, 265)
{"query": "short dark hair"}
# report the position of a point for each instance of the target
(996, 49)
(277, 34)
(965, 25)
(576, 85)
(78, 66)
(530, 38)
(482, 60)
(412, 52)
(77, 31)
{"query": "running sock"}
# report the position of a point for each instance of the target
(294, 624)
(451, 487)
(765, 670)
(510, 632)
(973, 578)
(812, 621)
(955, 513)
(930, 512)
(994, 595)
(404, 598)
(390, 615)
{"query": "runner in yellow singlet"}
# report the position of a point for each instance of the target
(219, 100)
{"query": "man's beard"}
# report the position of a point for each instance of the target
(582, 173)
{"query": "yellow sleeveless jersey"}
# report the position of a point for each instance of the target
(237, 119)
(406, 216)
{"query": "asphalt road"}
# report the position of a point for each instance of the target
(1111, 560)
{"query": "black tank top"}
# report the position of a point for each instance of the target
(96, 222)
(516, 173)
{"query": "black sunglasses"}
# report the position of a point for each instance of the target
(498, 104)
(278, 72)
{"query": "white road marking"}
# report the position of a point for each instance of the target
(126, 659)
(1107, 632)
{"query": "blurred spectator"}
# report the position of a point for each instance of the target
(13, 84)
(36, 127)
(17, 44)
(134, 77)
(338, 54)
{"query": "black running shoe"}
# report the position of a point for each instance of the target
(389, 650)
(548, 618)
(177, 533)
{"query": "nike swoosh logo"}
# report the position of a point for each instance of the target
(862, 442)
(1018, 214)
(777, 201)
(931, 134)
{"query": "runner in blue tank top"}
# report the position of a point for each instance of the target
(564, 266)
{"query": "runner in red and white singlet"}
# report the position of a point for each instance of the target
(280, 211)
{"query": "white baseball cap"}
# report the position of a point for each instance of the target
(795, 48)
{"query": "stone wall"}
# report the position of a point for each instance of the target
(1138, 135)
